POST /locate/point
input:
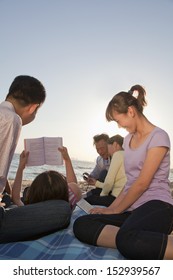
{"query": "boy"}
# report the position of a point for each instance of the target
(26, 94)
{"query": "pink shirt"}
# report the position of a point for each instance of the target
(134, 159)
(72, 198)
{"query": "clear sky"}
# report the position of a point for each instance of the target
(84, 52)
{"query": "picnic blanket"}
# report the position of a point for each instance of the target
(61, 245)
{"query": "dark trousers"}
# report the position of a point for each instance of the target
(34, 220)
(94, 198)
(143, 232)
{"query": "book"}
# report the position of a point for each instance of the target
(84, 205)
(43, 150)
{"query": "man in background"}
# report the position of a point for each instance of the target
(103, 160)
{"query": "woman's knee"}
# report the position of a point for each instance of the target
(86, 229)
(80, 227)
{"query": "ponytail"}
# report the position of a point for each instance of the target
(122, 100)
(140, 95)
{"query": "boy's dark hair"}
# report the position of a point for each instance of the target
(116, 138)
(27, 90)
(99, 137)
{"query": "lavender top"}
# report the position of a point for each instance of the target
(134, 159)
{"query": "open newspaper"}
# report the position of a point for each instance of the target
(43, 150)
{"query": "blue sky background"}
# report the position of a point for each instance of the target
(84, 52)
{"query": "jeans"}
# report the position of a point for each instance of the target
(34, 220)
(143, 232)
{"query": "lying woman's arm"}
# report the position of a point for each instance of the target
(16, 189)
(70, 175)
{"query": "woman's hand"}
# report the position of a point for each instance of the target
(99, 210)
(64, 153)
(23, 159)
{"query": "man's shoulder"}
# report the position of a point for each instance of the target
(99, 159)
(101, 162)
(7, 110)
(8, 116)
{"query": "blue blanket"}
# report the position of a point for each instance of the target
(61, 245)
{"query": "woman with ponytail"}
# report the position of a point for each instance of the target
(139, 222)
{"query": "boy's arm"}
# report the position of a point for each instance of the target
(16, 189)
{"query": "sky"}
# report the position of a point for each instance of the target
(84, 52)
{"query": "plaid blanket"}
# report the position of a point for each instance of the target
(61, 245)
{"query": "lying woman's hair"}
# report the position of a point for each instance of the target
(122, 100)
(48, 185)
